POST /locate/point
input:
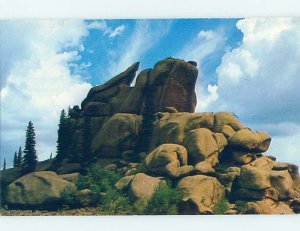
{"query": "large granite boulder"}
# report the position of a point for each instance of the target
(246, 139)
(169, 160)
(37, 189)
(283, 183)
(202, 144)
(142, 186)
(200, 194)
(257, 174)
(119, 134)
(172, 127)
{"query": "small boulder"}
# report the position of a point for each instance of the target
(123, 182)
(204, 167)
(265, 141)
(142, 186)
(227, 131)
(228, 176)
(268, 206)
(226, 118)
(242, 157)
(295, 205)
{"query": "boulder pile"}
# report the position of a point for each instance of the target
(208, 156)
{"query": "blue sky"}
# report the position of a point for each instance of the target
(247, 66)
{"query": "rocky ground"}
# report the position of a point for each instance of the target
(68, 212)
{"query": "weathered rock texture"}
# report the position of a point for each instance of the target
(208, 156)
(38, 188)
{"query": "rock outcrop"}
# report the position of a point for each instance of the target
(170, 83)
(150, 134)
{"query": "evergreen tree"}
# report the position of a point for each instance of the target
(19, 157)
(51, 156)
(4, 164)
(62, 139)
(15, 161)
(30, 157)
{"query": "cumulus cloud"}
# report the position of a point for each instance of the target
(206, 43)
(259, 80)
(102, 25)
(39, 83)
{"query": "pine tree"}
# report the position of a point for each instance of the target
(64, 136)
(51, 156)
(15, 161)
(4, 164)
(30, 157)
(19, 157)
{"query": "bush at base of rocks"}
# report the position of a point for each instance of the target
(100, 182)
(164, 201)
(221, 207)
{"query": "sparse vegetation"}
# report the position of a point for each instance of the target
(241, 206)
(221, 207)
(69, 200)
(164, 201)
(139, 169)
(101, 182)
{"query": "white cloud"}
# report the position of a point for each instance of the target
(144, 36)
(39, 84)
(286, 148)
(203, 45)
(259, 81)
(117, 31)
(207, 96)
(102, 25)
(206, 43)
(263, 72)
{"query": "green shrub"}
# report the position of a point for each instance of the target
(241, 206)
(68, 199)
(115, 203)
(102, 182)
(221, 207)
(140, 169)
(164, 201)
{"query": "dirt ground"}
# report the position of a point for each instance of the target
(71, 212)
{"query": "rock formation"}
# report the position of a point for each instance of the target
(208, 156)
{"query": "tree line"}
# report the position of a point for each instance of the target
(78, 151)
(26, 159)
